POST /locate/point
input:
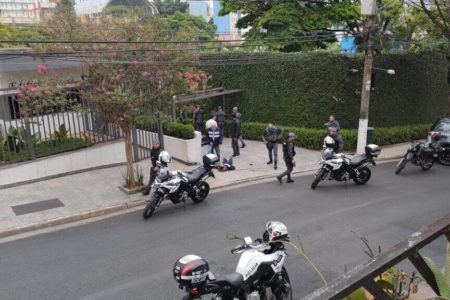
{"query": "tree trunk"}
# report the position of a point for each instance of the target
(129, 155)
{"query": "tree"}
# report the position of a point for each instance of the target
(187, 26)
(120, 92)
(169, 7)
(292, 25)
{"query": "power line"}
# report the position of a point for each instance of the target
(306, 34)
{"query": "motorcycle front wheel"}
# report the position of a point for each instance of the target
(319, 176)
(151, 206)
(202, 193)
(363, 176)
(401, 164)
(444, 157)
(282, 290)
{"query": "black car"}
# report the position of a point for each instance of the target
(440, 132)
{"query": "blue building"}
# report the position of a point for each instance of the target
(226, 25)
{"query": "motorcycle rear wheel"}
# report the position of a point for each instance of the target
(151, 206)
(202, 193)
(444, 157)
(318, 178)
(400, 166)
(363, 176)
(282, 291)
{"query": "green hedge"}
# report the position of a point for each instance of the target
(175, 129)
(311, 138)
(302, 89)
(182, 131)
(44, 148)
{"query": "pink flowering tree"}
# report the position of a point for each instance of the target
(123, 87)
(37, 98)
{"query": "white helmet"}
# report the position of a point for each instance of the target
(275, 231)
(328, 142)
(164, 157)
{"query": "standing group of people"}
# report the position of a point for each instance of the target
(215, 133)
(271, 136)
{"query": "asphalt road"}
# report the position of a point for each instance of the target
(125, 257)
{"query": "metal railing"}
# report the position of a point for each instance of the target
(64, 129)
(364, 274)
(45, 133)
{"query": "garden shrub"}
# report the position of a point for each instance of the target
(312, 138)
(178, 130)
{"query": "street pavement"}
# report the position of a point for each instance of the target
(125, 257)
(96, 192)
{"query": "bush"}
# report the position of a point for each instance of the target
(312, 138)
(174, 129)
(178, 130)
(44, 148)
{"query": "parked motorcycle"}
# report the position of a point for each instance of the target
(260, 274)
(420, 154)
(178, 186)
(342, 168)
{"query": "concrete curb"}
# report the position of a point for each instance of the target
(131, 204)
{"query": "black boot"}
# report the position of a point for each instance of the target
(269, 162)
(289, 180)
(146, 191)
(275, 165)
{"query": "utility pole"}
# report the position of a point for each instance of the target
(369, 10)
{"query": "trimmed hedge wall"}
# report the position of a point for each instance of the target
(302, 89)
(311, 138)
(175, 129)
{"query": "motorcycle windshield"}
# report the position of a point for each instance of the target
(163, 174)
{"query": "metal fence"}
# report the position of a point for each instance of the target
(59, 129)
(364, 275)
(45, 133)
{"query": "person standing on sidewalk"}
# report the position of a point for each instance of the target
(198, 118)
(220, 119)
(239, 117)
(235, 133)
(154, 154)
(270, 137)
(288, 156)
(213, 135)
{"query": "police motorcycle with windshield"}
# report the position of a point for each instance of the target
(178, 186)
(339, 167)
(259, 275)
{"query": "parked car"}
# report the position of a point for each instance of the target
(440, 133)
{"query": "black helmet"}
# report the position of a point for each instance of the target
(191, 271)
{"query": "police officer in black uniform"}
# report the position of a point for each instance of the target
(288, 156)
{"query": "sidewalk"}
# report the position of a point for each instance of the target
(96, 193)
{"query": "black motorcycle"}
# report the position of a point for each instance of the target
(178, 186)
(419, 154)
(342, 168)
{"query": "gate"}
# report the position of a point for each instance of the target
(147, 131)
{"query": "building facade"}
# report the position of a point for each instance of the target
(24, 12)
(226, 25)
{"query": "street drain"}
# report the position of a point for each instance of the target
(33, 207)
